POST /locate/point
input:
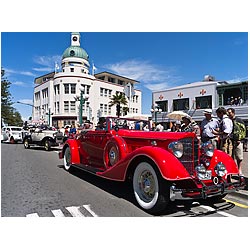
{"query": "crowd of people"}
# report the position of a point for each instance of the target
(237, 101)
(226, 131)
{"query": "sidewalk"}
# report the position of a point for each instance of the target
(244, 193)
(245, 164)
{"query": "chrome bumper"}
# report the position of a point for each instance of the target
(206, 191)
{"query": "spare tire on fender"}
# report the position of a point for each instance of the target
(114, 151)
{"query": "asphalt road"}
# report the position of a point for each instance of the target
(34, 183)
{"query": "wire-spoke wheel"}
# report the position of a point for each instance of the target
(26, 144)
(149, 189)
(47, 145)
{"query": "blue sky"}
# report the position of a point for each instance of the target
(158, 60)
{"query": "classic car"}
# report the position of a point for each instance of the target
(12, 134)
(44, 138)
(160, 166)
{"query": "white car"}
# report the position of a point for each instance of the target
(13, 134)
(4, 136)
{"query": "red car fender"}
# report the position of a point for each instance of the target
(118, 147)
(169, 166)
(227, 160)
(74, 149)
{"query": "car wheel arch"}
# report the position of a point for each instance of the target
(74, 151)
(138, 159)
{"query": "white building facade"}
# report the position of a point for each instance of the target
(57, 94)
(194, 97)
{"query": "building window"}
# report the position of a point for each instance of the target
(102, 78)
(88, 88)
(58, 108)
(203, 102)
(101, 91)
(45, 93)
(181, 104)
(105, 109)
(105, 92)
(71, 69)
(66, 88)
(73, 88)
(72, 106)
(110, 93)
(163, 105)
(57, 89)
(101, 107)
(66, 106)
(109, 109)
(120, 82)
(111, 79)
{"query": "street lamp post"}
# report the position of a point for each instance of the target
(155, 111)
(83, 98)
(49, 114)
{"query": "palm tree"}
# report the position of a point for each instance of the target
(118, 99)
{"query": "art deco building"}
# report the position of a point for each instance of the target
(56, 95)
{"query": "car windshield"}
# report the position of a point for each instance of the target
(131, 124)
(16, 129)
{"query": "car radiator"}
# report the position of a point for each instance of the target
(190, 157)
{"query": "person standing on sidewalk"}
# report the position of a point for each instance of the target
(238, 135)
(207, 126)
(226, 127)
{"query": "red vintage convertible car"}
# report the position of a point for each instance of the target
(161, 166)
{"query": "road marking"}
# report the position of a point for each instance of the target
(32, 215)
(218, 212)
(87, 207)
(74, 211)
(236, 203)
(58, 213)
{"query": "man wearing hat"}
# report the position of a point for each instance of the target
(207, 126)
(189, 125)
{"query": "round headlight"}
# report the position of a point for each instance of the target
(176, 148)
(208, 148)
(220, 169)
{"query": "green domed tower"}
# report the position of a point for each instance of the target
(75, 56)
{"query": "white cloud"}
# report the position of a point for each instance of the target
(238, 79)
(11, 71)
(26, 101)
(42, 69)
(153, 76)
(19, 83)
(47, 61)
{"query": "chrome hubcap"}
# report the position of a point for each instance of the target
(147, 185)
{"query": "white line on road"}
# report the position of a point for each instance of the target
(32, 215)
(218, 212)
(74, 211)
(87, 207)
(58, 213)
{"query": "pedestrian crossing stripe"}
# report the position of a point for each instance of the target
(75, 211)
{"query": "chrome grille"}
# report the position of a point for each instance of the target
(190, 156)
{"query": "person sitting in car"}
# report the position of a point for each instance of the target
(189, 125)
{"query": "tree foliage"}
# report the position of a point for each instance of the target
(9, 115)
(118, 99)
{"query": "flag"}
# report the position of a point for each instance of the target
(56, 67)
(93, 69)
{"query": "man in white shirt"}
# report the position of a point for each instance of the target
(226, 127)
(207, 126)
